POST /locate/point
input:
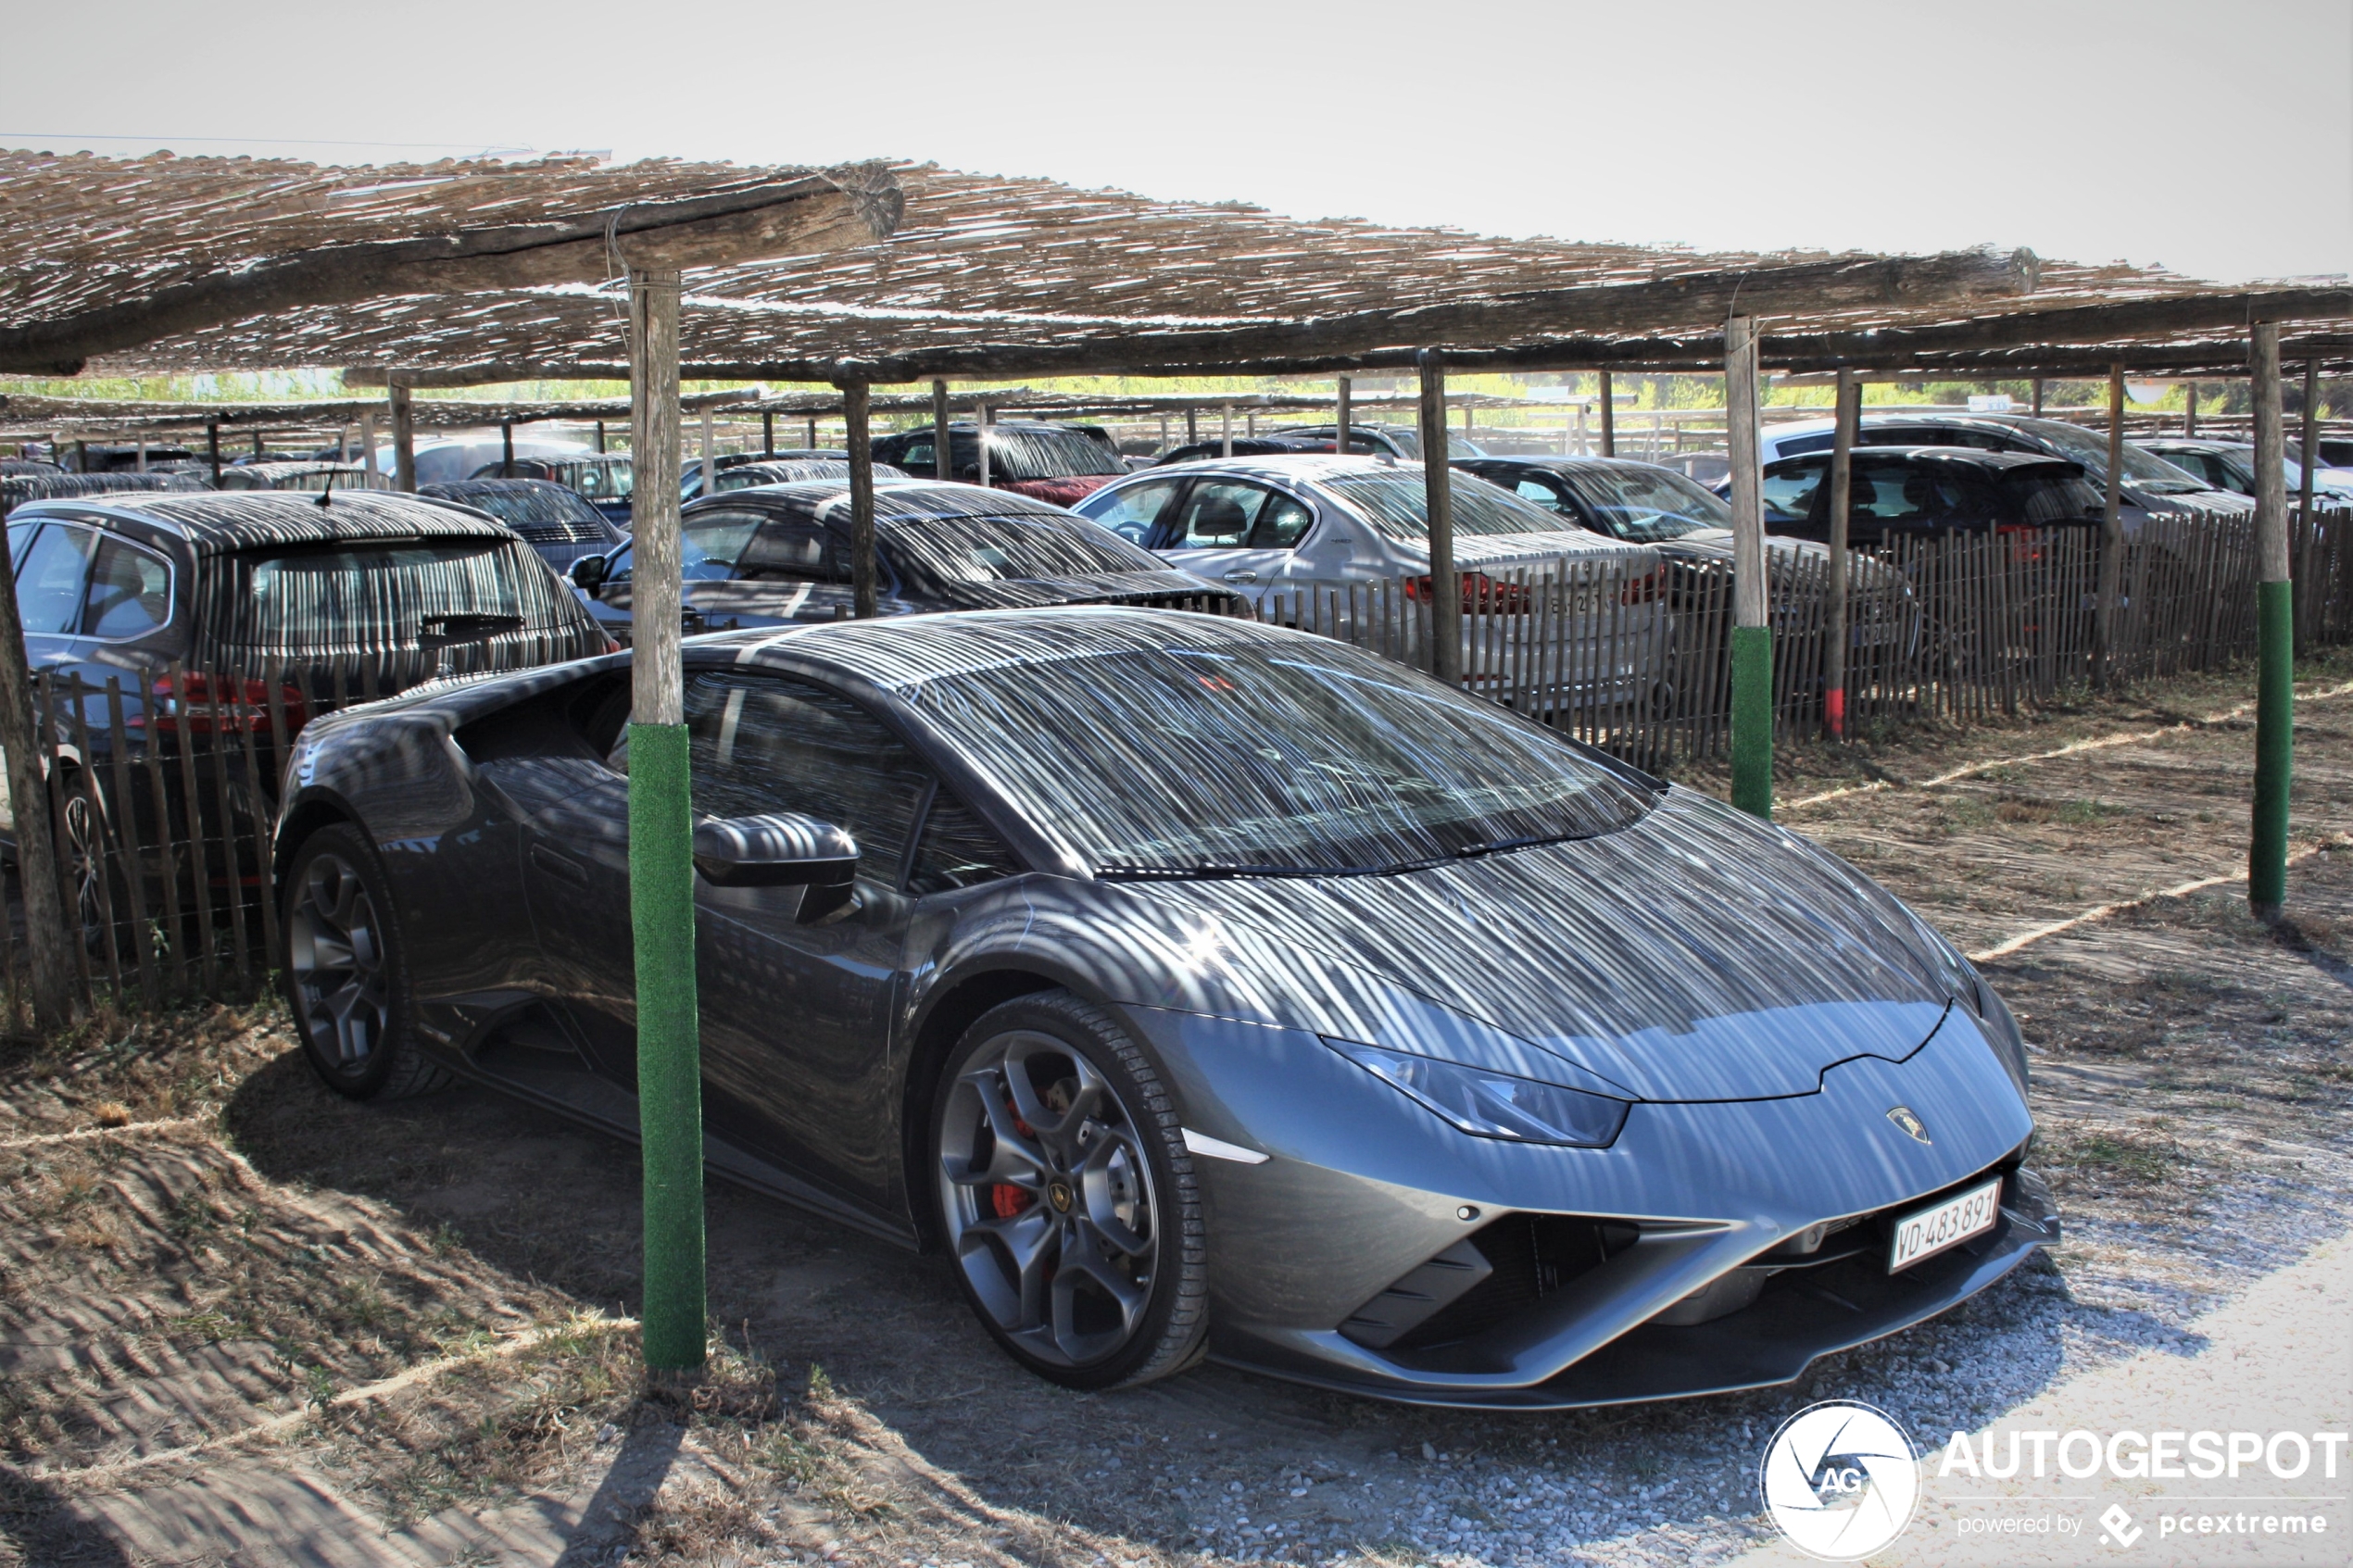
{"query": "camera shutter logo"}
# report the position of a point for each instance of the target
(1840, 1480)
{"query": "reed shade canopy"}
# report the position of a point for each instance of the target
(167, 264)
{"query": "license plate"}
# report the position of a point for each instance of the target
(1926, 1232)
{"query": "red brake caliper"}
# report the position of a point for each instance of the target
(1005, 1200)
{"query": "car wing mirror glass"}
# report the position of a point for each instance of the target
(588, 573)
(780, 850)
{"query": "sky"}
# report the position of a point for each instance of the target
(2215, 139)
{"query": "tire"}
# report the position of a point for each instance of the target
(86, 845)
(346, 974)
(1053, 1140)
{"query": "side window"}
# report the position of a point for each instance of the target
(1789, 488)
(712, 540)
(19, 536)
(1543, 491)
(793, 550)
(130, 591)
(1905, 492)
(916, 456)
(1131, 512)
(765, 743)
(1281, 524)
(49, 585)
(958, 849)
(1217, 514)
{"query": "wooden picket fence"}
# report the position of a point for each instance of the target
(163, 784)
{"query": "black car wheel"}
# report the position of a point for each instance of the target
(1066, 1197)
(345, 976)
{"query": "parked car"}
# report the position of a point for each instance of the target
(788, 470)
(2230, 465)
(775, 554)
(1049, 462)
(552, 519)
(1402, 441)
(1311, 525)
(273, 603)
(15, 489)
(443, 460)
(1199, 987)
(299, 475)
(603, 479)
(15, 468)
(1922, 490)
(1251, 447)
(2151, 484)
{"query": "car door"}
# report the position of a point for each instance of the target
(797, 1014)
(53, 578)
(793, 569)
(1215, 531)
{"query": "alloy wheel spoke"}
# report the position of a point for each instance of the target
(1027, 1243)
(1083, 1261)
(1107, 1179)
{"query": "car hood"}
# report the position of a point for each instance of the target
(1697, 955)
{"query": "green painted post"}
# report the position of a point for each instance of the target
(1752, 645)
(661, 870)
(2275, 637)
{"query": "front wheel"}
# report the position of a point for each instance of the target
(345, 978)
(1067, 1197)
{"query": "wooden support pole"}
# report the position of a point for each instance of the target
(813, 433)
(854, 408)
(1250, 424)
(1445, 584)
(2111, 539)
(56, 990)
(1339, 426)
(212, 446)
(2189, 419)
(2308, 456)
(661, 871)
(1752, 634)
(600, 438)
(2275, 637)
(2038, 398)
(1192, 426)
(1850, 414)
(404, 439)
(143, 451)
(368, 447)
(1226, 430)
(506, 448)
(980, 439)
(1609, 417)
(767, 433)
(710, 474)
(943, 449)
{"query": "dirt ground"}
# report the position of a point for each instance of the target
(242, 1321)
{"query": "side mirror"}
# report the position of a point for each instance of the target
(588, 573)
(780, 851)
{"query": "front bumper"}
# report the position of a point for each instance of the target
(1362, 1187)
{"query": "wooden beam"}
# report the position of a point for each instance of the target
(2111, 565)
(862, 499)
(1445, 584)
(812, 214)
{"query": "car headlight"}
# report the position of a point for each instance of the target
(1494, 1105)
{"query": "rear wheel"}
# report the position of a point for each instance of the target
(1067, 1197)
(346, 977)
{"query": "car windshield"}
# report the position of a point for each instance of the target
(2144, 470)
(1647, 506)
(1004, 546)
(1290, 758)
(599, 481)
(549, 515)
(1395, 502)
(1046, 454)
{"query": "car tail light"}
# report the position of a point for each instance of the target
(241, 705)
(1482, 595)
(1649, 585)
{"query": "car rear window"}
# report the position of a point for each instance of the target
(544, 517)
(299, 599)
(2054, 495)
(1046, 454)
(1397, 505)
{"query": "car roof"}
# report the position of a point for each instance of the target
(1959, 457)
(821, 499)
(2189, 444)
(1298, 466)
(458, 489)
(218, 522)
(898, 654)
(1571, 464)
